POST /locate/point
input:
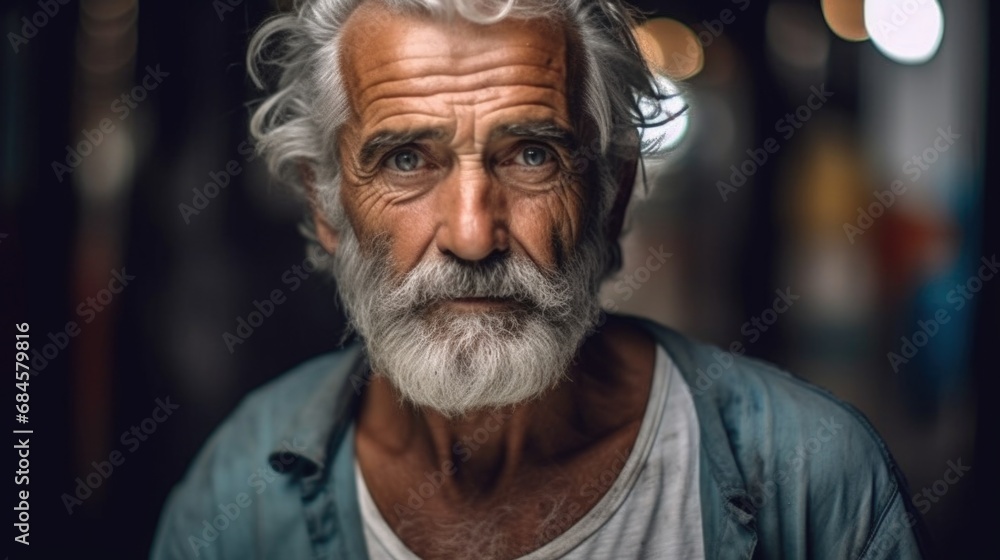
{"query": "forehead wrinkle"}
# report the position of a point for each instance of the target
(540, 98)
(538, 109)
(459, 50)
(411, 65)
(485, 80)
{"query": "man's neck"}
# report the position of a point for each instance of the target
(486, 452)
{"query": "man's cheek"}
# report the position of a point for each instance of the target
(567, 216)
(541, 236)
(410, 241)
(366, 209)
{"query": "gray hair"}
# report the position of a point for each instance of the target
(295, 127)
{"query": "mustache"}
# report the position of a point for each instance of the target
(503, 276)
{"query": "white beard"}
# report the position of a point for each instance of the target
(455, 362)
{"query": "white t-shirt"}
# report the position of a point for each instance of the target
(652, 510)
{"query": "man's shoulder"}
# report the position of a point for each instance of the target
(235, 469)
(782, 422)
(798, 451)
(759, 399)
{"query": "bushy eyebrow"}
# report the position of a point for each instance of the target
(386, 140)
(536, 130)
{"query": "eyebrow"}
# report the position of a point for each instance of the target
(538, 130)
(383, 141)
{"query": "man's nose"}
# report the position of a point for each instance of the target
(473, 216)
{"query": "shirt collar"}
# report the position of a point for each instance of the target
(321, 421)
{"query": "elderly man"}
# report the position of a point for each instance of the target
(468, 165)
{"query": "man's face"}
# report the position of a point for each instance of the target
(468, 265)
(459, 138)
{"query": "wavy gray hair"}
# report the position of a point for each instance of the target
(295, 128)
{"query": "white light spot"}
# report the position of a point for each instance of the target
(669, 116)
(907, 31)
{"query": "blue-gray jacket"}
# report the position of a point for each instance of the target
(787, 470)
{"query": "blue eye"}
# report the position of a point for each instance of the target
(533, 156)
(405, 160)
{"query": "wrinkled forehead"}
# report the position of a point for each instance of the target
(385, 50)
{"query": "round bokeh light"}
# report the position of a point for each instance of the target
(907, 31)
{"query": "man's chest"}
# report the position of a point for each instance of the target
(656, 515)
(434, 516)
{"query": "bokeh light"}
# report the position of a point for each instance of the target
(907, 31)
(669, 116)
(671, 48)
(846, 18)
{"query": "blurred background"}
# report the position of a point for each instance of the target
(833, 151)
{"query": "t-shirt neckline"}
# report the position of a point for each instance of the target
(664, 372)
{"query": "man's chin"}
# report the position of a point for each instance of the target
(463, 362)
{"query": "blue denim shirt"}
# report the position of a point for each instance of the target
(786, 469)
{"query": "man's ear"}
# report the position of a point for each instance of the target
(326, 234)
(625, 178)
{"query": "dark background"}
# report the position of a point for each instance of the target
(162, 336)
